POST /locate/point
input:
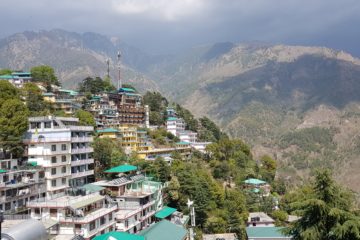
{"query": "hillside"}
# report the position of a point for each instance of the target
(74, 56)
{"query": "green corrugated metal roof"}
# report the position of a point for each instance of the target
(118, 236)
(92, 188)
(265, 232)
(183, 143)
(172, 119)
(165, 212)
(2, 171)
(255, 190)
(71, 92)
(6, 77)
(87, 201)
(107, 130)
(254, 181)
(121, 169)
(164, 230)
(127, 89)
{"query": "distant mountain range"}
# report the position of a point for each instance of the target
(299, 104)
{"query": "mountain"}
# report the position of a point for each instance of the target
(74, 56)
(299, 104)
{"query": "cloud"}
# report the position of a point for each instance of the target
(168, 10)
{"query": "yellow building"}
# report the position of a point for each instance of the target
(109, 133)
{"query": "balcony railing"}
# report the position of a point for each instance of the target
(82, 162)
(82, 150)
(46, 140)
(121, 216)
(91, 216)
(82, 174)
(82, 139)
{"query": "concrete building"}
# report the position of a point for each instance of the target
(19, 184)
(137, 198)
(260, 219)
(62, 147)
(18, 79)
(87, 214)
(175, 125)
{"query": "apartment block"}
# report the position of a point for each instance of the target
(63, 148)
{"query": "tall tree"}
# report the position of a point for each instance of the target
(34, 99)
(7, 91)
(5, 71)
(326, 214)
(13, 124)
(44, 74)
(85, 118)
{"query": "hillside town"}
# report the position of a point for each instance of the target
(57, 180)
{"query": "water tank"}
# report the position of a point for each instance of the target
(26, 230)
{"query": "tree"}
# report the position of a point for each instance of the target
(13, 124)
(85, 118)
(44, 74)
(7, 91)
(34, 99)
(5, 71)
(108, 85)
(92, 85)
(268, 168)
(162, 169)
(326, 214)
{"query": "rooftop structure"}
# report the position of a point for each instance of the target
(257, 186)
(63, 148)
(164, 230)
(30, 230)
(260, 219)
(222, 236)
(264, 233)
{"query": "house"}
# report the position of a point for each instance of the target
(260, 219)
(266, 233)
(18, 79)
(257, 186)
(221, 236)
(109, 133)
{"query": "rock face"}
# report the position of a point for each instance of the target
(74, 56)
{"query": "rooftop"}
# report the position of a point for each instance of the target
(91, 188)
(122, 169)
(165, 212)
(263, 217)
(118, 236)
(265, 233)
(164, 230)
(107, 130)
(223, 236)
(254, 181)
(130, 90)
(172, 119)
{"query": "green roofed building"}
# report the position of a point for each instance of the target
(119, 236)
(254, 181)
(165, 212)
(128, 90)
(122, 169)
(266, 233)
(164, 230)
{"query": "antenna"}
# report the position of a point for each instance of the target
(119, 79)
(192, 217)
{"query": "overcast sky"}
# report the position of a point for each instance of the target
(162, 26)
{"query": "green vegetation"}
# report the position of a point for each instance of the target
(32, 95)
(5, 71)
(95, 85)
(327, 212)
(157, 106)
(44, 74)
(85, 118)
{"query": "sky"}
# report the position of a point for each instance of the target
(170, 26)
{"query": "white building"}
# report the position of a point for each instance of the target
(175, 125)
(187, 136)
(63, 148)
(260, 219)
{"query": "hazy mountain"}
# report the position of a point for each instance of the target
(74, 56)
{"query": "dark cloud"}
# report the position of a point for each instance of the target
(162, 26)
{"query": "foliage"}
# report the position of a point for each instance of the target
(190, 120)
(7, 91)
(95, 85)
(280, 217)
(44, 74)
(267, 168)
(32, 95)
(157, 106)
(326, 213)
(13, 124)
(85, 118)
(210, 131)
(5, 71)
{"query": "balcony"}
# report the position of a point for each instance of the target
(46, 140)
(82, 174)
(82, 162)
(81, 139)
(82, 150)
(81, 128)
(58, 175)
(120, 215)
(56, 164)
(91, 216)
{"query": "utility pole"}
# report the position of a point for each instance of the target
(192, 217)
(119, 79)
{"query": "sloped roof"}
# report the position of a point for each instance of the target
(164, 230)
(127, 90)
(92, 188)
(118, 236)
(265, 232)
(121, 169)
(254, 181)
(165, 212)
(172, 119)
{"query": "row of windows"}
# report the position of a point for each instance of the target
(63, 147)
(54, 170)
(54, 182)
(54, 159)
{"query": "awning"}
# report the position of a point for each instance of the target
(121, 169)
(165, 212)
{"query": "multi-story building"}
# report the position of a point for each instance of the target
(175, 125)
(137, 198)
(18, 79)
(187, 136)
(19, 184)
(64, 100)
(87, 214)
(62, 147)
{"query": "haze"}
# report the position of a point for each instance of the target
(167, 26)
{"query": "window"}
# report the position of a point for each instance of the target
(110, 217)
(53, 159)
(53, 147)
(63, 169)
(53, 183)
(53, 171)
(63, 147)
(92, 225)
(63, 158)
(102, 221)
(47, 124)
(37, 211)
(63, 181)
